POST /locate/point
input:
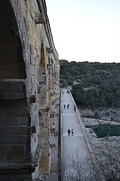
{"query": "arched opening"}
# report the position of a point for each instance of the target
(14, 112)
(11, 60)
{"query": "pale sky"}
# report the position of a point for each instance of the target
(86, 30)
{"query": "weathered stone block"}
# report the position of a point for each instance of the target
(14, 120)
(12, 95)
(16, 154)
(19, 74)
(9, 63)
(14, 139)
(39, 18)
(13, 152)
(32, 99)
(16, 111)
(42, 79)
(12, 90)
(33, 129)
(49, 66)
(14, 130)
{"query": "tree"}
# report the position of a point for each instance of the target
(98, 82)
(106, 166)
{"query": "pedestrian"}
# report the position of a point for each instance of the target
(68, 132)
(64, 106)
(68, 106)
(74, 108)
(72, 132)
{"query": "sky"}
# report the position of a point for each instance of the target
(86, 30)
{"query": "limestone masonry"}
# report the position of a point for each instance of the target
(29, 89)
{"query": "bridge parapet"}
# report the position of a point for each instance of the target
(86, 138)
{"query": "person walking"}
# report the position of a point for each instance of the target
(68, 106)
(74, 108)
(67, 91)
(68, 132)
(72, 132)
(64, 106)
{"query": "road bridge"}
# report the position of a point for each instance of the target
(77, 161)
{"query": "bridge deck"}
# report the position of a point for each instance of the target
(75, 154)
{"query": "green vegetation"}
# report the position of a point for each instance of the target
(93, 84)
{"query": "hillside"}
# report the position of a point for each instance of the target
(93, 84)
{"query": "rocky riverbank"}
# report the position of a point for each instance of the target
(106, 150)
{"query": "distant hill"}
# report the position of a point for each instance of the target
(93, 84)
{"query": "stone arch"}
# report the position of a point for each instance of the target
(14, 112)
(11, 59)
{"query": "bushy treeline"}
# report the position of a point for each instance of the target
(93, 84)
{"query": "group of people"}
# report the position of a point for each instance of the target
(70, 132)
(66, 91)
(68, 105)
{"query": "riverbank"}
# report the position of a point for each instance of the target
(106, 149)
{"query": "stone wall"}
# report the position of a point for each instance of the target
(29, 89)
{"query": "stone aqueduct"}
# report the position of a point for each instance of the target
(29, 89)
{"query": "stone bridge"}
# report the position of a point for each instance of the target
(29, 89)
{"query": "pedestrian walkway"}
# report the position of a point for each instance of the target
(76, 160)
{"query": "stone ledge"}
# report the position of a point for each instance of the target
(14, 111)
(14, 130)
(12, 89)
(16, 168)
(14, 139)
